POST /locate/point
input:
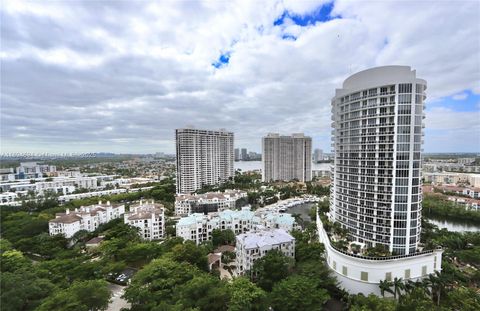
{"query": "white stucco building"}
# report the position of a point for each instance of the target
(286, 157)
(451, 178)
(362, 274)
(149, 218)
(62, 185)
(254, 245)
(377, 142)
(376, 192)
(84, 218)
(208, 202)
(198, 227)
(7, 197)
(204, 157)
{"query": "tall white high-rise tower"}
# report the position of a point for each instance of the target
(287, 157)
(204, 157)
(377, 143)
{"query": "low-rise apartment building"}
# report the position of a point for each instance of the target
(7, 197)
(453, 178)
(198, 227)
(149, 218)
(254, 245)
(474, 193)
(84, 218)
(186, 204)
(61, 185)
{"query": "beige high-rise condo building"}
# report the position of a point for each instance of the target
(204, 157)
(287, 157)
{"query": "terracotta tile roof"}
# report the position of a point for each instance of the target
(66, 219)
(213, 258)
(224, 248)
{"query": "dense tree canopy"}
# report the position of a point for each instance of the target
(81, 296)
(246, 296)
(222, 237)
(298, 293)
(271, 268)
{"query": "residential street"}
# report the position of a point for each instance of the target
(117, 302)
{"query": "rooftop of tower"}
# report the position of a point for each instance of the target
(382, 75)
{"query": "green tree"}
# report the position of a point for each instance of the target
(204, 292)
(156, 284)
(398, 286)
(385, 286)
(309, 251)
(23, 290)
(139, 253)
(65, 271)
(222, 237)
(13, 260)
(5, 245)
(81, 296)
(46, 246)
(246, 296)
(271, 268)
(191, 253)
(463, 298)
(298, 293)
(318, 272)
(371, 302)
(415, 300)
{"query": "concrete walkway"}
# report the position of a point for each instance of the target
(117, 302)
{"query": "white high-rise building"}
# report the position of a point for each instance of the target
(376, 192)
(378, 135)
(287, 157)
(204, 157)
(244, 154)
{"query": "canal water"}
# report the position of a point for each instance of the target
(303, 210)
(257, 165)
(454, 225)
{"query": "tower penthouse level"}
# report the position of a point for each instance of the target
(377, 142)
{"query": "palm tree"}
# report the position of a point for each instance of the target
(436, 285)
(426, 286)
(385, 286)
(397, 287)
(439, 284)
(410, 286)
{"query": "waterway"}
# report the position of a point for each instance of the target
(303, 210)
(454, 226)
(257, 165)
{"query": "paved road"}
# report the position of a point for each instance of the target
(117, 302)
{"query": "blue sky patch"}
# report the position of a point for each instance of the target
(456, 102)
(222, 60)
(321, 14)
(288, 36)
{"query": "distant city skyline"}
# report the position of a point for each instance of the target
(119, 77)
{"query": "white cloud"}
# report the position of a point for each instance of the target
(142, 69)
(460, 96)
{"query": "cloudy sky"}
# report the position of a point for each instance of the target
(120, 76)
